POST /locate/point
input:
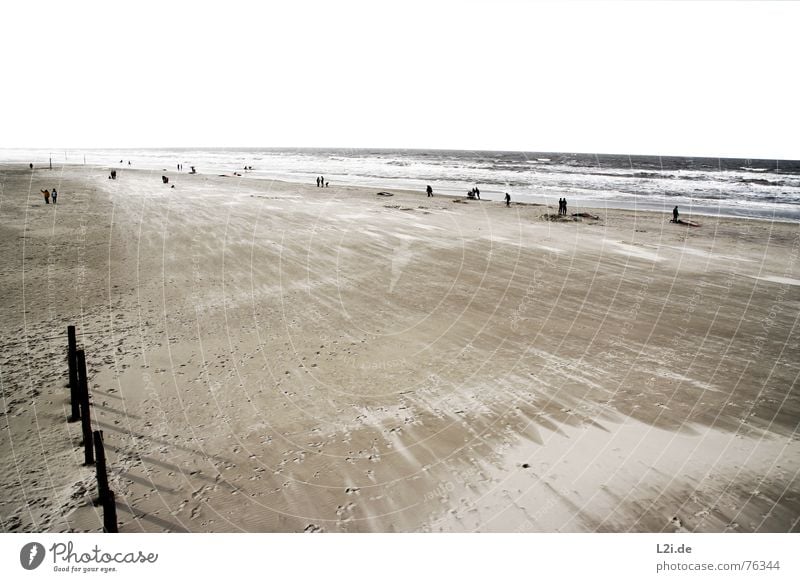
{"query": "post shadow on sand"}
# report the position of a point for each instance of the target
(116, 428)
(137, 515)
(148, 483)
(194, 474)
(113, 410)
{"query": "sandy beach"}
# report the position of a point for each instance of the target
(274, 357)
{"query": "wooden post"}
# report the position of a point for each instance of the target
(102, 475)
(74, 392)
(110, 514)
(85, 414)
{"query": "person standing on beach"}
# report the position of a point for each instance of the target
(31, 165)
(675, 214)
(55, 195)
(46, 196)
(565, 206)
(477, 193)
(560, 206)
(508, 199)
(429, 191)
(317, 181)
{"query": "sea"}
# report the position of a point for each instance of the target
(751, 188)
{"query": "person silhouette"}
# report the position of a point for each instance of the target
(429, 191)
(54, 195)
(675, 214)
(317, 181)
(508, 199)
(477, 193)
(565, 206)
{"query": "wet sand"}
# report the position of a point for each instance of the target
(267, 356)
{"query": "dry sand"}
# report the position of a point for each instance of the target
(266, 356)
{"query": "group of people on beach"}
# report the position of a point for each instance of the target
(474, 193)
(562, 206)
(48, 194)
(321, 183)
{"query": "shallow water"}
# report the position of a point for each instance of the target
(766, 189)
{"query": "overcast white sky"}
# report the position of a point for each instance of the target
(716, 78)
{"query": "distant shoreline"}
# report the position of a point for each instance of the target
(490, 195)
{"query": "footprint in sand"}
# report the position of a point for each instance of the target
(341, 510)
(678, 525)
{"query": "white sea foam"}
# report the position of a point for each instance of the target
(696, 186)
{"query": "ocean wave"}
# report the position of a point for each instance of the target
(760, 182)
(603, 178)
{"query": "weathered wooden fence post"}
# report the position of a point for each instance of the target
(102, 475)
(110, 514)
(86, 422)
(74, 392)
